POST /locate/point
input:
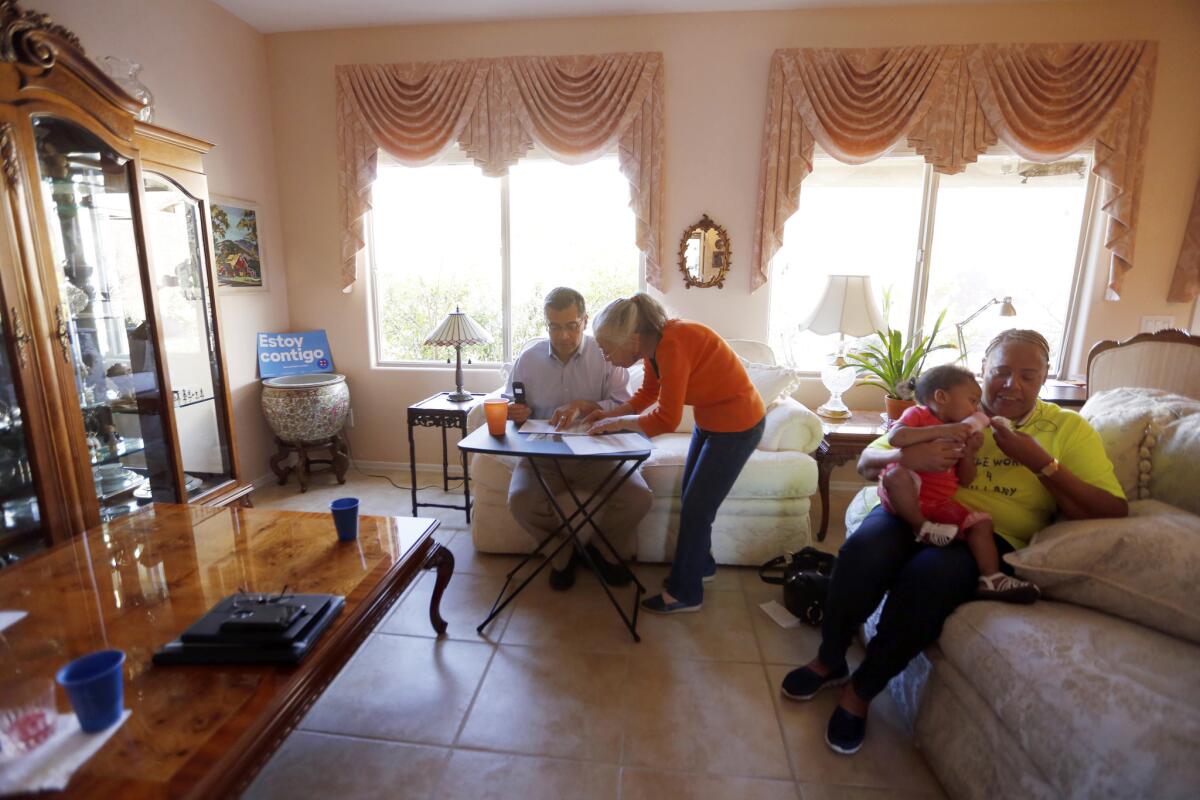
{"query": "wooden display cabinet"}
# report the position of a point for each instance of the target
(113, 388)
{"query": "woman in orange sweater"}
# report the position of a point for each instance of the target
(686, 363)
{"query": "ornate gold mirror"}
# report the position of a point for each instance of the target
(704, 254)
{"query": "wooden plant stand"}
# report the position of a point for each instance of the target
(338, 460)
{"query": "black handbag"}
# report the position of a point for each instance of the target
(805, 581)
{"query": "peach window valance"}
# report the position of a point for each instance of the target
(950, 103)
(574, 107)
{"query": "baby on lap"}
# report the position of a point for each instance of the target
(948, 398)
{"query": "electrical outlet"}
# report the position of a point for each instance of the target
(1152, 324)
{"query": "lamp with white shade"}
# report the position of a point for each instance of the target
(456, 330)
(847, 307)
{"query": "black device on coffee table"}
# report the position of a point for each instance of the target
(254, 628)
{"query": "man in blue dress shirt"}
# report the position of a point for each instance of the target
(566, 378)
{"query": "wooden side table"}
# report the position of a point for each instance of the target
(1068, 394)
(439, 411)
(844, 439)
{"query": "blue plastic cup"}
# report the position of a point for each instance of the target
(96, 687)
(345, 518)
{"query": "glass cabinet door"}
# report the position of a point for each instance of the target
(18, 496)
(85, 189)
(187, 319)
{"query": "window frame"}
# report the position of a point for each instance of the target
(924, 247)
(508, 346)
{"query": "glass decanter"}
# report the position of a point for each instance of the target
(125, 73)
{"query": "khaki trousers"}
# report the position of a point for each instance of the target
(618, 518)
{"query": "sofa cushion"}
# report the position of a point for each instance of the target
(791, 426)
(1103, 707)
(772, 381)
(970, 751)
(1174, 455)
(862, 504)
(775, 475)
(1130, 422)
(1122, 417)
(1143, 567)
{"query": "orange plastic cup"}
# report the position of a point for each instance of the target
(497, 416)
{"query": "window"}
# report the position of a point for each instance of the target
(444, 236)
(1004, 227)
(824, 237)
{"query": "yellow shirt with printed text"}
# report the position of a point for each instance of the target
(1018, 502)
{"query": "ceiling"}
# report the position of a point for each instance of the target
(275, 16)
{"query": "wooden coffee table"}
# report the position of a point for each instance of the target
(844, 439)
(136, 583)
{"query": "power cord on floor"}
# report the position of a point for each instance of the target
(349, 455)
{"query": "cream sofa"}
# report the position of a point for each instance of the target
(766, 513)
(1094, 691)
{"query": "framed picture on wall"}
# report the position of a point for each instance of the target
(237, 246)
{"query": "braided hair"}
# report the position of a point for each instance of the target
(1019, 335)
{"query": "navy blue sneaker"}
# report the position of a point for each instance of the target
(846, 732)
(657, 605)
(803, 683)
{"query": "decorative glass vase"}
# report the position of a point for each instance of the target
(838, 375)
(125, 73)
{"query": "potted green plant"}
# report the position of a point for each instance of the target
(894, 364)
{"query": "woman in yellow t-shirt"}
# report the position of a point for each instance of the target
(1046, 460)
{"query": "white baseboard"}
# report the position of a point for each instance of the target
(403, 465)
(270, 479)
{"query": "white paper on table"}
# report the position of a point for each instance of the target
(8, 618)
(607, 443)
(783, 618)
(544, 426)
(50, 765)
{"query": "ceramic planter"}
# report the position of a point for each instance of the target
(306, 408)
(895, 406)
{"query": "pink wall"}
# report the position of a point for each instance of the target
(716, 69)
(208, 72)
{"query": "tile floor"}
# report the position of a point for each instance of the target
(555, 700)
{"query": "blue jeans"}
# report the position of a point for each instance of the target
(924, 584)
(714, 462)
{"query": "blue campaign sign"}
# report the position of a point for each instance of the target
(293, 354)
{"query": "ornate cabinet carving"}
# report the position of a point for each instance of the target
(113, 390)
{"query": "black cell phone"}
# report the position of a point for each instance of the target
(263, 617)
(519, 393)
